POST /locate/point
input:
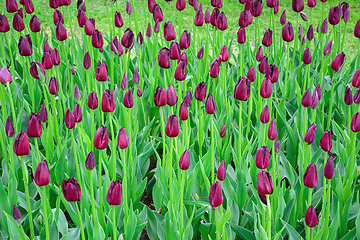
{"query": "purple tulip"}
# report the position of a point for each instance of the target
(310, 178)
(21, 144)
(42, 175)
(184, 162)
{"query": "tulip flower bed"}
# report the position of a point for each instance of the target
(179, 134)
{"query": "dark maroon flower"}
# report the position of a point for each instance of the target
(251, 74)
(283, 18)
(222, 132)
(46, 61)
(310, 33)
(188, 98)
(58, 17)
(157, 13)
(297, 5)
(34, 70)
(272, 132)
(210, 105)
(18, 22)
(55, 57)
(81, 5)
(300, 32)
(93, 102)
(221, 172)
(169, 31)
(180, 5)
(101, 138)
(123, 139)
(61, 34)
(307, 59)
(311, 219)
(43, 113)
(4, 24)
(355, 123)
(128, 99)
(224, 53)
(324, 27)
(164, 58)
(107, 103)
(116, 47)
(214, 68)
(256, 8)
(128, 39)
(214, 15)
(241, 36)
(9, 128)
(265, 115)
(87, 61)
(151, 4)
(288, 32)
(21, 144)
(306, 99)
(277, 146)
(140, 38)
(34, 128)
(129, 8)
(262, 159)
(157, 27)
(334, 15)
(172, 126)
(311, 3)
(54, 3)
(242, 89)
(97, 39)
(200, 91)
(16, 212)
(160, 97)
(185, 40)
(264, 183)
(328, 47)
(356, 29)
(245, 18)
(310, 134)
(326, 141)
(124, 82)
(69, 119)
(89, 26)
(174, 51)
(11, 6)
(180, 71)
(136, 77)
(207, 16)
(267, 40)
(199, 18)
(310, 178)
(71, 190)
(81, 17)
(53, 86)
(338, 61)
(149, 30)
(304, 16)
(215, 195)
(183, 112)
(171, 96)
(34, 24)
(77, 113)
(217, 3)
(266, 88)
(90, 161)
(356, 79)
(270, 3)
(273, 73)
(264, 65)
(348, 99)
(42, 175)
(114, 193)
(315, 100)
(221, 22)
(101, 72)
(184, 162)
(329, 170)
(118, 20)
(259, 54)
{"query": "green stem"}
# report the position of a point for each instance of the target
(217, 224)
(183, 173)
(12, 107)
(125, 184)
(240, 128)
(343, 39)
(287, 69)
(37, 151)
(311, 233)
(30, 81)
(76, 159)
(67, 68)
(169, 166)
(327, 215)
(309, 203)
(100, 184)
(11, 57)
(349, 120)
(331, 104)
(200, 130)
(163, 135)
(130, 140)
(296, 36)
(113, 146)
(114, 223)
(90, 174)
(268, 216)
(44, 201)
(80, 221)
(212, 149)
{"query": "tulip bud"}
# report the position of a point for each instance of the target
(71, 190)
(123, 139)
(54, 4)
(180, 71)
(327, 49)
(101, 138)
(42, 175)
(334, 15)
(90, 161)
(325, 141)
(297, 5)
(264, 183)
(34, 70)
(151, 4)
(300, 32)
(5, 76)
(128, 39)
(87, 61)
(272, 132)
(184, 161)
(149, 30)
(355, 123)
(311, 217)
(242, 89)
(222, 132)
(172, 126)
(245, 19)
(200, 91)
(138, 92)
(46, 60)
(93, 102)
(214, 15)
(116, 47)
(171, 96)
(160, 97)
(329, 170)
(348, 99)
(58, 17)
(277, 146)
(265, 115)
(25, 46)
(90, 27)
(241, 36)
(199, 18)
(34, 128)
(81, 18)
(164, 58)
(11, 6)
(306, 99)
(128, 99)
(338, 61)
(9, 128)
(262, 159)
(183, 112)
(169, 31)
(357, 96)
(283, 18)
(180, 5)
(357, 29)
(310, 134)
(157, 14)
(53, 86)
(215, 68)
(259, 54)
(324, 27)
(174, 51)
(310, 33)
(273, 73)
(114, 193)
(16, 212)
(183, 58)
(215, 195)
(307, 59)
(101, 72)
(124, 82)
(310, 178)
(304, 16)
(77, 94)
(61, 34)
(185, 40)
(267, 39)
(4, 24)
(266, 88)
(55, 57)
(107, 103)
(314, 100)
(77, 113)
(256, 8)
(210, 106)
(288, 32)
(264, 66)
(34, 24)
(251, 74)
(69, 119)
(355, 80)
(43, 113)
(224, 53)
(21, 144)
(97, 39)
(129, 8)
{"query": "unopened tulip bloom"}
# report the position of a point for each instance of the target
(124, 82)
(307, 59)
(34, 70)
(210, 105)
(334, 15)
(207, 16)
(199, 18)
(242, 89)
(348, 98)
(241, 36)
(188, 98)
(283, 18)
(42, 175)
(297, 5)
(277, 146)
(310, 178)
(140, 38)
(184, 162)
(151, 4)
(329, 170)
(128, 39)
(58, 17)
(272, 132)
(16, 212)
(149, 30)
(128, 99)
(324, 27)
(200, 91)
(245, 19)
(90, 161)
(61, 34)
(259, 54)
(123, 139)
(304, 16)
(306, 99)
(114, 193)
(262, 159)
(172, 126)
(43, 113)
(81, 18)
(89, 27)
(174, 51)
(101, 138)
(214, 15)
(93, 102)
(315, 100)
(224, 52)
(54, 4)
(4, 24)
(169, 31)
(101, 72)
(264, 65)
(53, 86)
(116, 47)
(311, 219)
(327, 49)
(356, 79)
(288, 32)
(118, 20)
(266, 88)
(215, 68)
(310, 33)
(357, 29)
(107, 103)
(25, 46)
(215, 195)
(256, 8)
(21, 144)
(164, 58)
(185, 40)
(338, 61)
(183, 57)
(5, 76)
(55, 57)
(97, 39)
(222, 132)
(326, 141)
(157, 15)
(46, 60)
(267, 39)
(80, 5)
(87, 61)
(11, 6)
(183, 112)
(34, 128)
(9, 128)
(273, 73)
(69, 119)
(160, 97)
(34, 24)
(77, 113)
(265, 115)
(310, 134)
(355, 123)
(264, 183)
(136, 77)
(311, 3)
(221, 172)
(216, 3)
(129, 8)
(139, 92)
(180, 71)
(180, 5)
(71, 190)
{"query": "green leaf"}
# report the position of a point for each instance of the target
(15, 231)
(242, 232)
(293, 234)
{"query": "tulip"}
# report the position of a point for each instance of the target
(245, 19)
(25, 46)
(267, 40)
(217, 3)
(185, 40)
(200, 92)
(183, 112)
(21, 144)
(304, 16)
(151, 4)
(16, 212)
(324, 27)
(65, 2)
(58, 17)
(34, 70)
(264, 183)
(71, 190)
(273, 73)
(345, 11)
(101, 72)
(310, 178)
(311, 3)
(93, 102)
(357, 29)
(242, 89)
(164, 58)
(11, 6)
(90, 27)
(116, 47)
(129, 8)
(97, 39)
(69, 119)
(9, 128)
(262, 159)
(123, 139)
(43, 113)
(300, 32)
(329, 170)
(315, 100)
(325, 141)
(270, 3)
(128, 99)
(157, 14)
(355, 123)
(47, 47)
(241, 36)
(184, 161)
(172, 126)
(114, 194)
(54, 4)
(138, 92)
(224, 53)
(107, 103)
(81, 18)
(61, 34)
(307, 59)
(221, 21)
(42, 175)
(215, 68)
(4, 24)
(149, 30)
(174, 51)
(251, 74)
(199, 18)
(338, 61)
(5, 76)
(101, 138)
(311, 217)
(128, 39)
(53, 86)
(356, 79)
(34, 128)
(310, 33)
(306, 99)
(140, 38)
(297, 5)
(334, 15)
(180, 71)
(348, 99)
(214, 15)
(34, 24)
(118, 20)
(55, 57)
(266, 88)
(283, 18)
(272, 132)
(90, 161)
(124, 82)
(288, 32)
(357, 96)
(160, 97)
(80, 5)
(215, 195)
(169, 32)
(180, 5)
(259, 54)
(207, 16)
(46, 60)
(221, 173)
(277, 146)
(264, 66)
(310, 134)
(87, 61)
(77, 113)
(136, 77)
(327, 49)
(222, 132)
(256, 8)
(210, 106)
(262, 198)
(265, 115)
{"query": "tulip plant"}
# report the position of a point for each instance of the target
(101, 138)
